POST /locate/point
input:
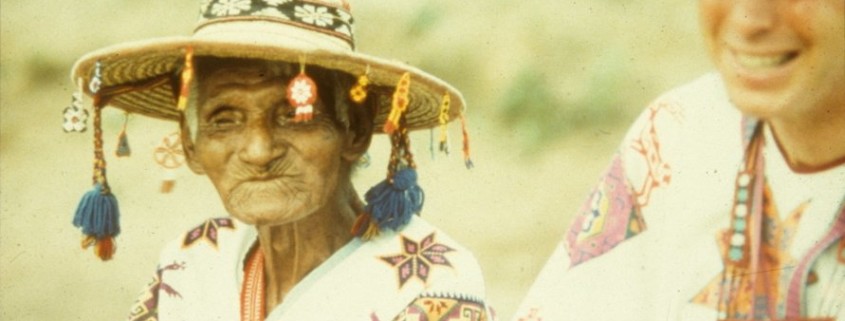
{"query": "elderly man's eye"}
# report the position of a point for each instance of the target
(225, 118)
(285, 116)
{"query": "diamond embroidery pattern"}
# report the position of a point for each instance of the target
(207, 231)
(417, 258)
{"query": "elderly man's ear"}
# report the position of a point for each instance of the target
(188, 146)
(358, 141)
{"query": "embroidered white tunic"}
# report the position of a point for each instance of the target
(407, 275)
(649, 242)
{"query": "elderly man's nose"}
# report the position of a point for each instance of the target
(259, 147)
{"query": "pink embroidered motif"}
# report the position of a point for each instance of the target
(443, 308)
(607, 218)
(648, 145)
(207, 231)
(417, 257)
(146, 307)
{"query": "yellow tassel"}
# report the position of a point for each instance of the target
(187, 77)
(399, 105)
(372, 232)
(87, 241)
(364, 227)
(444, 119)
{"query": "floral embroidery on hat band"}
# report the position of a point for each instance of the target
(334, 21)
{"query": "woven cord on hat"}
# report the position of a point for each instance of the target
(99, 158)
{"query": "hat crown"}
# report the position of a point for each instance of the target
(329, 17)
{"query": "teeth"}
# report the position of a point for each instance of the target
(761, 62)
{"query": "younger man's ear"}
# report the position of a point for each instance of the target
(188, 145)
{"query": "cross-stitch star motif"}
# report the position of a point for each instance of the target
(417, 258)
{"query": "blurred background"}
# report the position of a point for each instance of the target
(551, 88)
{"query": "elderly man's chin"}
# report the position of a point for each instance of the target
(266, 209)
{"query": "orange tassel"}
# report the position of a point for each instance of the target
(104, 248)
(302, 94)
(187, 77)
(364, 227)
(167, 186)
(465, 132)
(399, 105)
(362, 220)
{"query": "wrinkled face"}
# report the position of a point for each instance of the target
(267, 169)
(779, 58)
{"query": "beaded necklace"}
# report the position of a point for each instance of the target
(742, 275)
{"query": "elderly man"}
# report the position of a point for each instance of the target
(725, 200)
(277, 109)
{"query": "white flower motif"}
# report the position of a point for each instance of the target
(75, 119)
(276, 2)
(230, 7)
(344, 16)
(315, 16)
(301, 92)
(270, 12)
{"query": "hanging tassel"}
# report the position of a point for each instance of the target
(186, 78)
(399, 104)
(365, 227)
(431, 142)
(444, 119)
(301, 94)
(123, 149)
(391, 203)
(358, 93)
(168, 181)
(97, 214)
(467, 160)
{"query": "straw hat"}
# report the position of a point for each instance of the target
(150, 78)
(318, 31)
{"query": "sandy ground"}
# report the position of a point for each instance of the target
(511, 210)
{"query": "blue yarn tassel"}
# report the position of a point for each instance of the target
(392, 205)
(98, 215)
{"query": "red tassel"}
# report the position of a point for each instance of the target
(104, 248)
(364, 227)
(361, 222)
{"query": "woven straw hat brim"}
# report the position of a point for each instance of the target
(137, 61)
